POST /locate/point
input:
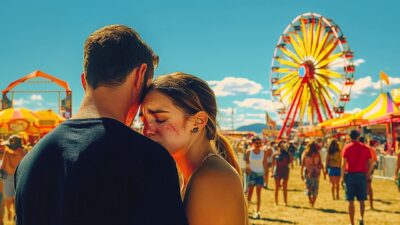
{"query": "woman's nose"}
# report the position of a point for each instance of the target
(148, 130)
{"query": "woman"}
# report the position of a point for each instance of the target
(179, 112)
(256, 165)
(333, 165)
(280, 168)
(312, 162)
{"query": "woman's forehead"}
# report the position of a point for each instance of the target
(156, 102)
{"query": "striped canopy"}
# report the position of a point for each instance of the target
(17, 120)
(382, 106)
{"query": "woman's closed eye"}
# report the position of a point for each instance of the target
(160, 121)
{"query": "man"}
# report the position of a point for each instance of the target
(256, 166)
(13, 154)
(356, 169)
(93, 169)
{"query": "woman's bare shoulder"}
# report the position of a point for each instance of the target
(216, 191)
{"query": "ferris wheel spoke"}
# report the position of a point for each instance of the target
(316, 37)
(321, 44)
(320, 95)
(298, 46)
(324, 90)
(290, 86)
(305, 36)
(287, 77)
(329, 73)
(315, 102)
(291, 55)
(330, 59)
(288, 63)
(310, 38)
(284, 70)
(326, 51)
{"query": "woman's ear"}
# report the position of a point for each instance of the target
(200, 119)
(83, 80)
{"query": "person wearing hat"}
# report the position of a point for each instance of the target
(13, 154)
(356, 169)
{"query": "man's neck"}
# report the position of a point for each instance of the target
(103, 103)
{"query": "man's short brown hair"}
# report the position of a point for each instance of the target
(112, 52)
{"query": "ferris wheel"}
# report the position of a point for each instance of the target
(312, 72)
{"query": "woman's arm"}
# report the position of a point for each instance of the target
(396, 174)
(302, 166)
(321, 165)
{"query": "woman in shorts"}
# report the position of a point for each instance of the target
(333, 164)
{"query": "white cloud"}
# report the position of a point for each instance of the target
(227, 110)
(36, 97)
(235, 85)
(358, 62)
(258, 103)
(352, 111)
(394, 80)
(340, 63)
(258, 115)
(20, 102)
(361, 84)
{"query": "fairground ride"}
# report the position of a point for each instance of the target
(64, 104)
(312, 72)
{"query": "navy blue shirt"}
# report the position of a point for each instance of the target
(97, 171)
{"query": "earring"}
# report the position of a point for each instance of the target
(195, 130)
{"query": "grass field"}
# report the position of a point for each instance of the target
(326, 210)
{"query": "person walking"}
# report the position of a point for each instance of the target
(14, 151)
(280, 167)
(256, 166)
(313, 166)
(333, 167)
(93, 168)
(356, 169)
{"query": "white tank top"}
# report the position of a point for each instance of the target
(256, 161)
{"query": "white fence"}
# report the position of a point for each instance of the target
(386, 166)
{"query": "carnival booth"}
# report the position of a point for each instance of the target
(48, 120)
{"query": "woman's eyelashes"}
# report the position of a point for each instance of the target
(160, 121)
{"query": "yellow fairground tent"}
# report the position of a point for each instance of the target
(382, 106)
(328, 123)
(48, 120)
(15, 120)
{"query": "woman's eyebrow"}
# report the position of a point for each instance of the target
(156, 111)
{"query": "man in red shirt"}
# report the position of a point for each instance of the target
(356, 169)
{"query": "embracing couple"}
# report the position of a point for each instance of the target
(94, 169)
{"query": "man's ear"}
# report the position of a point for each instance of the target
(83, 80)
(140, 74)
(200, 119)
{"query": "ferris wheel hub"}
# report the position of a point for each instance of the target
(306, 70)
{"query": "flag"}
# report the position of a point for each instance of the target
(384, 77)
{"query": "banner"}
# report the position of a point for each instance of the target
(6, 103)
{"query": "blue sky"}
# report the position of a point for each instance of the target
(229, 43)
